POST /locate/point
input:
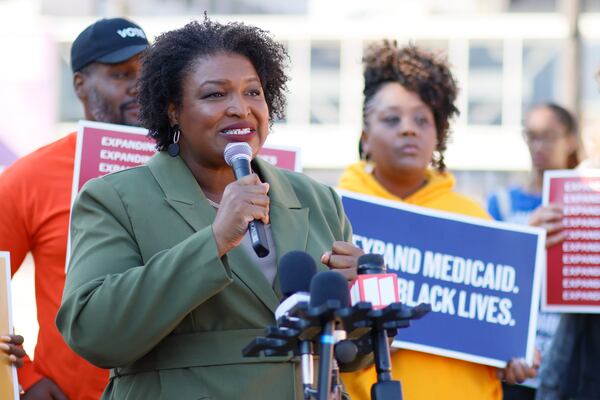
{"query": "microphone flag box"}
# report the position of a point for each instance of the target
(380, 290)
(572, 277)
(482, 278)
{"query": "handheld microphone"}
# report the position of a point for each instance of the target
(238, 155)
(296, 270)
(373, 284)
(328, 293)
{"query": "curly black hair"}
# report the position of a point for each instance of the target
(419, 71)
(167, 61)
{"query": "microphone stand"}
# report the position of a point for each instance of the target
(385, 388)
(336, 383)
(308, 372)
(383, 323)
(325, 361)
(369, 328)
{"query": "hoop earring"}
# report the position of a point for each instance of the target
(173, 148)
(369, 164)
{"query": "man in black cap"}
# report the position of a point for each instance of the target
(105, 63)
(36, 196)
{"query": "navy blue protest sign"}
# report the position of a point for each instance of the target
(482, 278)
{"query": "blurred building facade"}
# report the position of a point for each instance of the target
(506, 54)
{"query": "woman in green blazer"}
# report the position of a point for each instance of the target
(161, 288)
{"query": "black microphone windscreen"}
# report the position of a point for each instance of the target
(370, 264)
(235, 150)
(329, 285)
(296, 269)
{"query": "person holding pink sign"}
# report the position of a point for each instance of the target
(36, 194)
(570, 369)
(409, 101)
(552, 138)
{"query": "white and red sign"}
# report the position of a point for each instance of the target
(103, 148)
(572, 279)
(380, 290)
(282, 156)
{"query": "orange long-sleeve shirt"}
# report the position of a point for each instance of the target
(35, 197)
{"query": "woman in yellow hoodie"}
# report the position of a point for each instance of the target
(409, 98)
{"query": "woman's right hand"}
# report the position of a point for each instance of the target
(549, 217)
(243, 201)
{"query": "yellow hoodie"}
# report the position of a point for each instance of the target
(424, 376)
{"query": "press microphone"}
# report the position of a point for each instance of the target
(238, 155)
(328, 293)
(296, 270)
(373, 284)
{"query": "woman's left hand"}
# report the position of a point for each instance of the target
(11, 345)
(342, 258)
(518, 370)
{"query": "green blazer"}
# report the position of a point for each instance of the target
(147, 295)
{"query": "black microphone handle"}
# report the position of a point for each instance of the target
(325, 361)
(258, 236)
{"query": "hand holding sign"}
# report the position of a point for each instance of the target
(12, 345)
(549, 217)
(518, 371)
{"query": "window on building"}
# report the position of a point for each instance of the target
(325, 82)
(541, 73)
(590, 79)
(485, 83)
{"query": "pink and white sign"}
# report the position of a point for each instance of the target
(103, 148)
(282, 157)
(572, 279)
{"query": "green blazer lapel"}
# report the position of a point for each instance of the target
(185, 196)
(243, 267)
(181, 190)
(289, 221)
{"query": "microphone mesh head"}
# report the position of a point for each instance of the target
(329, 285)
(296, 269)
(237, 150)
(371, 264)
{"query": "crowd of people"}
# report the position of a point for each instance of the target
(163, 287)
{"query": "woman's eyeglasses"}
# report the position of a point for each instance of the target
(544, 138)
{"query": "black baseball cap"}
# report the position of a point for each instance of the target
(108, 41)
